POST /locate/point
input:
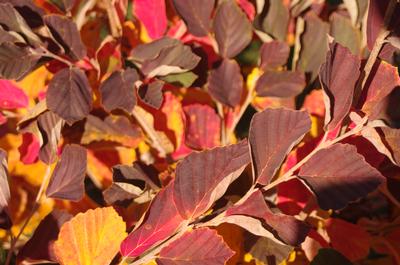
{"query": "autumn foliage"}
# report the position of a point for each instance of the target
(199, 132)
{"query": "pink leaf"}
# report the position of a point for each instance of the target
(29, 149)
(152, 14)
(11, 96)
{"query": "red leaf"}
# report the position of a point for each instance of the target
(152, 14)
(29, 149)
(11, 96)
(274, 54)
(292, 196)
(162, 219)
(202, 178)
(273, 133)
(248, 8)
(339, 175)
(201, 246)
(203, 126)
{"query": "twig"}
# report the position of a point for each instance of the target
(33, 210)
(246, 103)
(46, 53)
(223, 133)
(113, 19)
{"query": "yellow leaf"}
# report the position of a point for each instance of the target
(35, 82)
(90, 238)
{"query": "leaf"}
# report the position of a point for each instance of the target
(5, 221)
(118, 90)
(180, 80)
(391, 138)
(15, 61)
(151, 94)
(328, 256)
(66, 33)
(338, 76)
(203, 126)
(150, 51)
(161, 221)
(10, 17)
(40, 246)
(343, 31)
(116, 129)
(276, 20)
(384, 80)
(152, 13)
(11, 96)
(314, 44)
(274, 54)
(354, 247)
(66, 183)
(339, 175)
(201, 246)
(233, 31)
(90, 238)
(49, 125)
(202, 178)
(264, 250)
(69, 95)
(273, 133)
(225, 83)
(280, 84)
(196, 14)
(285, 227)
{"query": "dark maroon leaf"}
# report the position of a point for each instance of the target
(275, 21)
(150, 51)
(233, 31)
(196, 14)
(314, 44)
(339, 75)
(15, 61)
(273, 133)
(338, 175)
(64, 5)
(50, 126)
(274, 54)
(40, 246)
(329, 256)
(384, 80)
(29, 10)
(203, 127)
(117, 91)
(66, 182)
(225, 83)
(286, 227)
(280, 84)
(5, 221)
(161, 221)
(202, 178)
(151, 94)
(69, 95)
(66, 33)
(201, 246)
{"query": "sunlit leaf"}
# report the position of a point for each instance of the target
(90, 238)
(11, 96)
(5, 221)
(153, 15)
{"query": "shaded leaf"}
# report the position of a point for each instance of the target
(161, 220)
(328, 256)
(5, 221)
(274, 54)
(280, 84)
(152, 13)
(233, 31)
(66, 33)
(355, 247)
(338, 75)
(116, 129)
(343, 31)
(392, 139)
(202, 178)
(50, 126)
(225, 83)
(384, 80)
(150, 51)
(151, 94)
(15, 61)
(118, 90)
(314, 44)
(203, 126)
(273, 133)
(11, 96)
(285, 227)
(201, 246)
(67, 179)
(40, 246)
(275, 21)
(347, 178)
(196, 14)
(69, 95)
(120, 191)
(90, 238)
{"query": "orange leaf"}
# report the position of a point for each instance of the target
(90, 238)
